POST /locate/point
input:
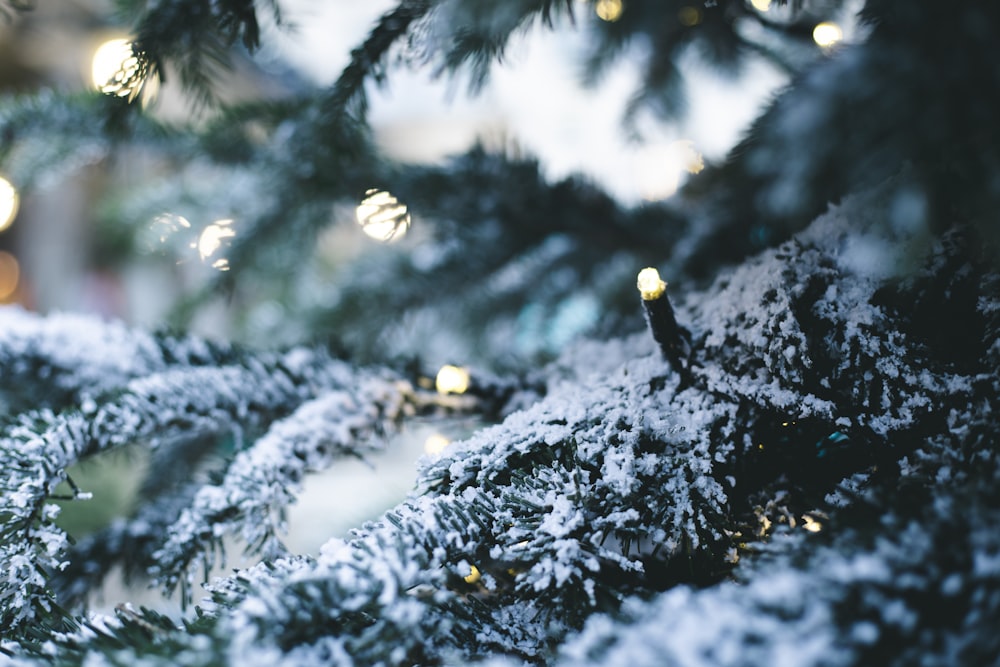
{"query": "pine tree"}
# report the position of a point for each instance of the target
(793, 461)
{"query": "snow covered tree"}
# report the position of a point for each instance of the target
(793, 460)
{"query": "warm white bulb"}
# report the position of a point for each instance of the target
(474, 575)
(115, 69)
(827, 34)
(9, 203)
(10, 273)
(651, 287)
(211, 240)
(212, 236)
(436, 444)
(452, 380)
(811, 524)
(609, 10)
(382, 216)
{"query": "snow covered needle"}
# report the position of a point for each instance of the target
(672, 338)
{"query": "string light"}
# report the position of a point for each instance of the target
(9, 203)
(163, 229)
(811, 524)
(672, 338)
(609, 10)
(827, 34)
(10, 275)
(382, 216)
(452, 380)
(650, 285)
(473, 576)
(212, 239)
(435, 444)
(689, 16)
(117, 70)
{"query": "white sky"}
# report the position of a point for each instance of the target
(534, 100)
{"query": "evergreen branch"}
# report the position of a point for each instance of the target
(65, 359)
(832, 597)
(476, 35)
(45, 135)
(329, 155)
(621, 484)
(371, 590)
(501, 233)
(368, 60)
(265, 478)
(128, 543)
(197, 36)
(176, 404)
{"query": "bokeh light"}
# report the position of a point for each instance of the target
(811, 524)
(117, 71)
(689, 16)
(452, 380)
(473, 576)
(165, 229)
(214, 238)
(761, 5)
(10, 275)
(9, 203)
(382, 216)
(827, 34)
(609, 10)
(435, 444)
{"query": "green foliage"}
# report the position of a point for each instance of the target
(616, 498)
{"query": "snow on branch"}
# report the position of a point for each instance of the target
(625, 482)
(869, 596)
(179, 403)
(164, 402)
(77, 357)
(813, 398)
(265, 478)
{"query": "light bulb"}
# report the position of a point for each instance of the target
(10, 275)
(811, 524)
(649, 284)
(609, 10)
(9, 203)
(116, 70)
(473, 576)
(827, 34)
(382, 216)
(435, 444)
(211, 240)
(452, 380)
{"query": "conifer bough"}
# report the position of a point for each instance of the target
(618, 517)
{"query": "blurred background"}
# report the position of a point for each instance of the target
(57, 256)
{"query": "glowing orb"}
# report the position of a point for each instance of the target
(382, 216)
